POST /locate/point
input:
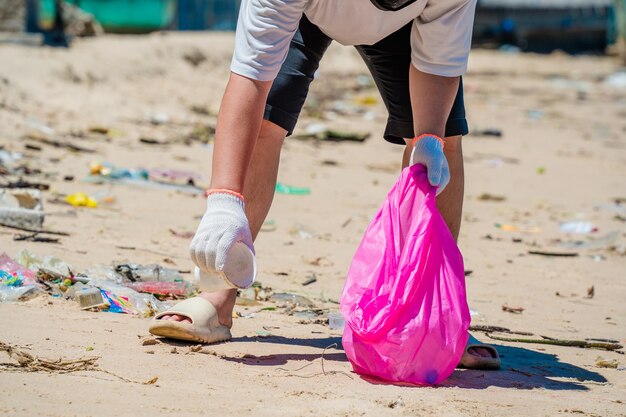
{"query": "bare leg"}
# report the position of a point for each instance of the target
(259, 193)
(450, 201)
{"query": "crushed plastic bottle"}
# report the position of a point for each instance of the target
(289, 189)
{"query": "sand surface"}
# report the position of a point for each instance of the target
(562, 157)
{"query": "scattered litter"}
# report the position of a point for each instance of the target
(493, 132)
(397, 403)
(535, 114)
(309, 280)
(516, 310)
(288, 189)
(336, 321)
(606, 363)
(21, 208)
(602, 242)
(90, 298)
(294, 299)
(514, 228)
(57, 144)
(81, 199)
(182, 234)
(301, 232)
(268, 226)
(616, 80)
(578, 227)
(590, 292)
(157, 118)
(555, 254)
(491, 197)
(321, 133)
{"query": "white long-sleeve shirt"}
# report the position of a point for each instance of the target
(440, 38)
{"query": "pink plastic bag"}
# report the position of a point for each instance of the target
(404, 300)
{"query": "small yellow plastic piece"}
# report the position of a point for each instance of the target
(81, 200)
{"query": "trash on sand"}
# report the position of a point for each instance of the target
(177, 289)
(491, 197)
(89, 298)
(35, 262)
(606, 363)
(108, 170)
(289, 189)
(550, 253)
(397, 403)
(105, 172)
(268, 226)
(8, 293)
(157, 118)
(578, 227)
(492, 131)
(13, 268)
(301, 232)
(201, 133)
(294, 299)
(535, 114)
(516, 310)
(319, 132)
(57, 144)
(590, 292)
(336, 321)
(616, 80)
(21, 208)
(182, 234)
(310, 279)
(177, 176)
(514, 228)
(81, 199)
(602, 242)
(152, 272)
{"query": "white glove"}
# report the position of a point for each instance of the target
(428, 151)
(224, 223)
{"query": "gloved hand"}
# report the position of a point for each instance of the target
(428, 151)
(224, 223)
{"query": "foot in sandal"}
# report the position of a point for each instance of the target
(478, 355)
(206, 318)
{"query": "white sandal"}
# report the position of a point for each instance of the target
(204, 327)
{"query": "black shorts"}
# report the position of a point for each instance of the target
(388, 62)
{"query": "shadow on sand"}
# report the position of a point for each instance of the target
(521, 368)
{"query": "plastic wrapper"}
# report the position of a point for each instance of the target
(126, 300)
(163, 288)
(34, 262)
(11, 267)
(8, 293)
(404, 300)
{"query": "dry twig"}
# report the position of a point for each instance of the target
(31, 363)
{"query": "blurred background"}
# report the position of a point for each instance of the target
(573, 26)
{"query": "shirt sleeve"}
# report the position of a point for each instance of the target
(264, 31)
(442, 36)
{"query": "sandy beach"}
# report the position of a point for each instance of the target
(560, 157)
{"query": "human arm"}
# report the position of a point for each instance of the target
(264, 31)
(440, 43)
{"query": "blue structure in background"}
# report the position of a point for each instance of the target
(207, 14)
